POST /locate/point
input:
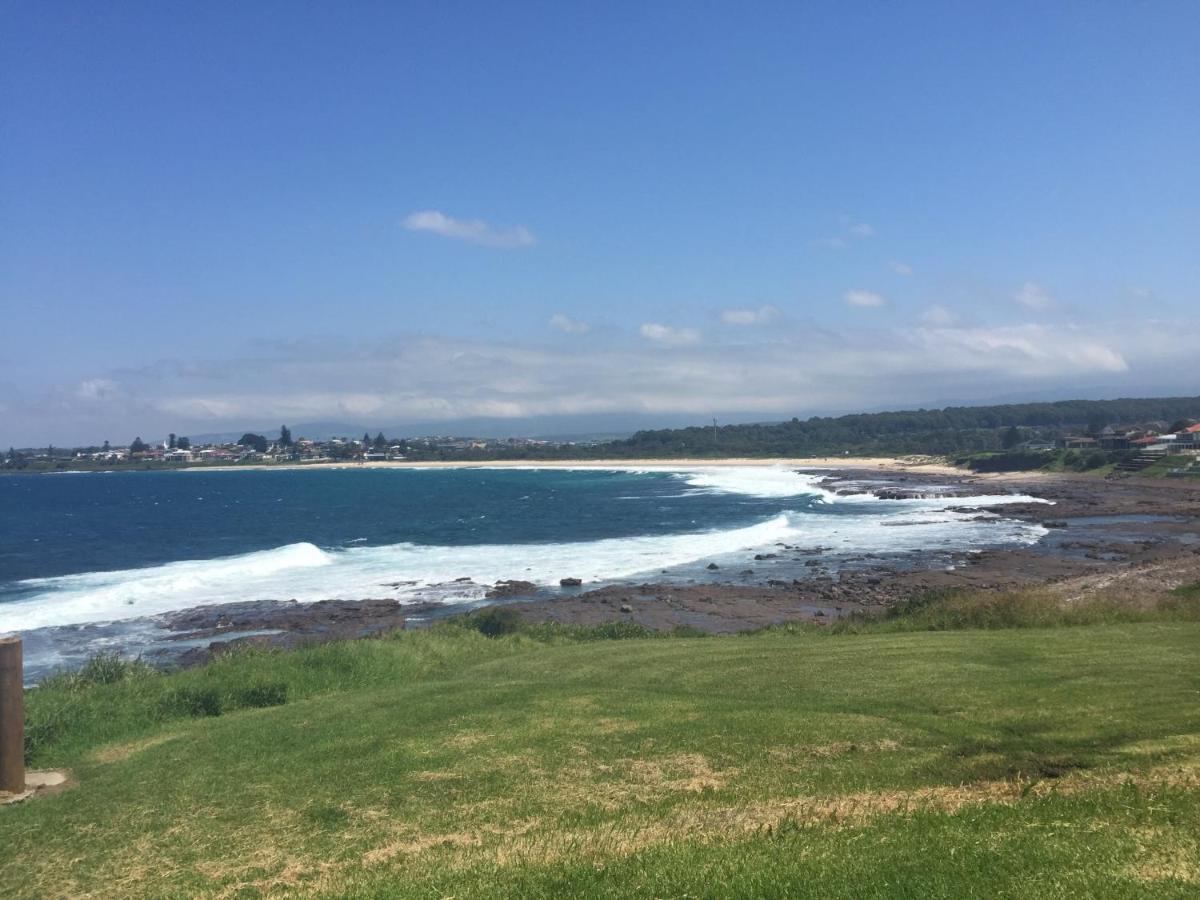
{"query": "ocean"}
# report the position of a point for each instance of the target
(81, 549)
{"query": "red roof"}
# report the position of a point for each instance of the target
(1152, 439)
(1195, 429)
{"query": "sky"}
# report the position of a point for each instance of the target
(232, 215)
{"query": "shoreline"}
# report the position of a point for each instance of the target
(1130, 541)
(879, 463)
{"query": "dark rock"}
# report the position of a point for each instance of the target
(766, 555)
(570, 582)
(1054, 523)
(712, 566)
(510, 588)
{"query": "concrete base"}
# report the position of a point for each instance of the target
(47, 782)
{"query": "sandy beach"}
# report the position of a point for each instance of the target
(916, 464)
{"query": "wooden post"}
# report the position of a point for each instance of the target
(12, 717)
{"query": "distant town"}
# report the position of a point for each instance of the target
(258, 449)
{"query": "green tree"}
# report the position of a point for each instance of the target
(255, 441)
(184, 443)
(1011, 438)
(171, 441)
(285, 436)
(380, 442)
(138, 446)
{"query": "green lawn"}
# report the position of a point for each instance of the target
(1035, 762)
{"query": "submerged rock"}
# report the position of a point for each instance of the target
(511, 588)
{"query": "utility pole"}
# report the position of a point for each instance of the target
(12, 717)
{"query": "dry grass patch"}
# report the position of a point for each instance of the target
(1164, 856)
(118, 752)
(465, 740)
(418, 845)
(436, 776)
(831, 751)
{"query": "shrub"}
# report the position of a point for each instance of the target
(618, 631)
(191, 701)
(103, 668)
(265, 693)
(1012, 461)
(495, 621)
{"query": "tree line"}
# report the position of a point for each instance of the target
(953, 430)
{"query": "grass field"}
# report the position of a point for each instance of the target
(1004, 762)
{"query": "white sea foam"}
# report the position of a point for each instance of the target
(754, 481)
(307, 573)
(410, 572)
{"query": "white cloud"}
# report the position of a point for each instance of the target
(1033, 296)
(863, 298)
(749, 316)
(1031, 350)
(938, 317)
(668, 336)
(567, 325)
(663, 371)
(473, 231)
(901, 268)
(850, 231)
(97, 389)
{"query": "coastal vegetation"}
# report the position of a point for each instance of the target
(944, 432)
(962, 746)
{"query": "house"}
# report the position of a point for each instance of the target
(177, 455)
(1078, 443)
(1144, 442)
(1187, 441)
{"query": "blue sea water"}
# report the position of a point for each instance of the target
(79, 549)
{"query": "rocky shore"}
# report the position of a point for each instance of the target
(1135, 539)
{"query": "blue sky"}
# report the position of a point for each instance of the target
(217, 216)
